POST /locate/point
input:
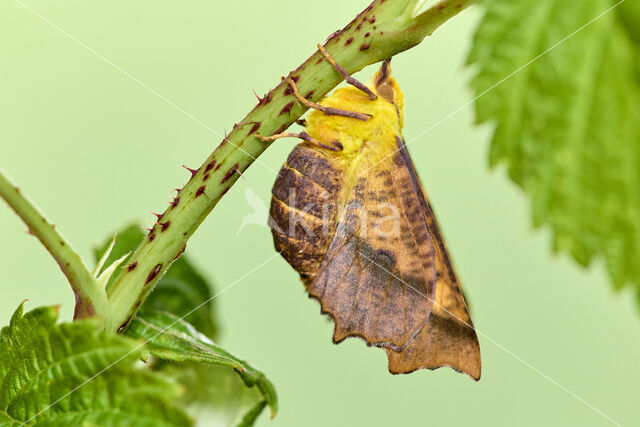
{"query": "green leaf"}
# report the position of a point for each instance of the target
(171, 338)
(567, 125)
(216, 393)
(185, 347)
(74, 374)
(180, 291)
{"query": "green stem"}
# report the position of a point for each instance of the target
(91, 298)
(428, 21)
(382, 30)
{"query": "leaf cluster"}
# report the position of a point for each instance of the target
(55, 374)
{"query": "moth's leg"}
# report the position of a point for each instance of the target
(337, 146)
(330, 111)
(347, 77)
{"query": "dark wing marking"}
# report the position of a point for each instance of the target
(448, 338)
(380, 229)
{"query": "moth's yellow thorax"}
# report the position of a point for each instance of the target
(364, 142)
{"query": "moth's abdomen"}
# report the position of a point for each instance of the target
(303, 208)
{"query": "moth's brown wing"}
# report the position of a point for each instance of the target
(304, 208)
(378, 275)
(448, 338)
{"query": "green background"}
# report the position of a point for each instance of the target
(96, 148)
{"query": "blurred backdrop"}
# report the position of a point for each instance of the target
(88, 130)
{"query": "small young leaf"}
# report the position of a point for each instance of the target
(567, 115)
(180, 290)
(171, 338)
(74, 374)
(125, 242)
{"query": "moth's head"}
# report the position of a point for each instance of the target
(388, 89)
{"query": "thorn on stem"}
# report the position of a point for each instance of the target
(193, 171)
(200, 191)
(230, 173)
(180, 252)
(210, 166)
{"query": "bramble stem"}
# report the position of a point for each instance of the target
(429, 20)
(91, 298)
(382, 30)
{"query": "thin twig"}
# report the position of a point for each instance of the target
(91, 299)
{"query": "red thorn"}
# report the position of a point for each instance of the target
(200, 191)
(180, 252)
(193, 171)
(157, 215)
(177, 190)
(148, 229)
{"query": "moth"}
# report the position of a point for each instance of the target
(349, 213)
